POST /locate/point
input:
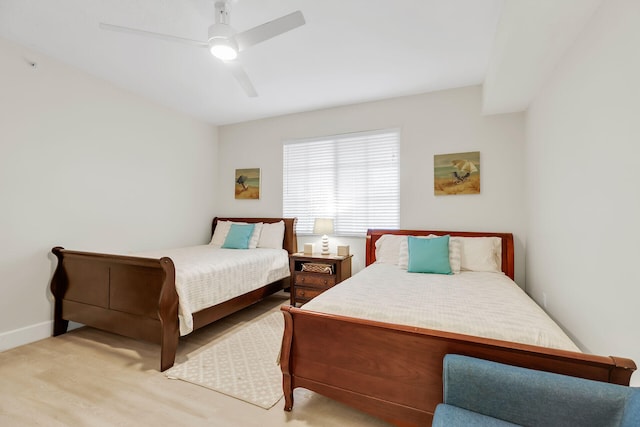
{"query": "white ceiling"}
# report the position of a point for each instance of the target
(349, 51)
(532, 36)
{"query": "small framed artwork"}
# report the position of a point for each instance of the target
(247, 183)
(456, 173)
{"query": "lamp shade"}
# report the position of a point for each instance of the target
(323, 226)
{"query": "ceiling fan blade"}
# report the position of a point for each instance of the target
(269, 30)
(242, 78)
(167, 37)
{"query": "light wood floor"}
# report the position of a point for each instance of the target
(92, 378)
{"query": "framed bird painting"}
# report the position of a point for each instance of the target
(248, 183)
(457, 173)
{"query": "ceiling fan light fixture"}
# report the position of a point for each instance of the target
(222, 49)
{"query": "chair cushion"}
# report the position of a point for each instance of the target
(531, 397)
(632, 409)
(452, 416)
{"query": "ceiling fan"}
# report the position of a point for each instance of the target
(224, 42)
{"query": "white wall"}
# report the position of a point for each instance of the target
(434, 123)
(583, 146)
(88, 166)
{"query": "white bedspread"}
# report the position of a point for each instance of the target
(206, 276)
(482, 304)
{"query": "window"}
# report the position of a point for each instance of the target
(352, 178)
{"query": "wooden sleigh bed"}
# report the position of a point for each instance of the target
(393, 371)
(136, 297)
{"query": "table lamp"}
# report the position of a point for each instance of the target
(323, 226)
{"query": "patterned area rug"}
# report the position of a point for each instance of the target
(242, 365)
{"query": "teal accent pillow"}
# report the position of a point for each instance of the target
(429, 255)
(238, 236)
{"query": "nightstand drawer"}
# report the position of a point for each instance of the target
(306, 294)
(318, 281)
(308, 283)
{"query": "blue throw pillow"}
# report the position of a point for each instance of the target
(238, 236)
(429, 255)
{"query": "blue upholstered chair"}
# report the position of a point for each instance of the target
(482, 393)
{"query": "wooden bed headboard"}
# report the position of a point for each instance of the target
(290, 242)
(507, 243)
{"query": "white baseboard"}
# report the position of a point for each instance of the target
(29, 334)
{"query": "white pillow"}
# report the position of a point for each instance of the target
(223, 227)
(272, 235)
(255, 237)
(481, 253)
(388, 248)
(455, 256)
(220, 233)
(454, 253)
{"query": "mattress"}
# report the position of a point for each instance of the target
(206, 275)
(483, 304)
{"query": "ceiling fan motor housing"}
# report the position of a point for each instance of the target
(221, 31)
(222, 36)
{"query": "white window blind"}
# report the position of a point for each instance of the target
(352, 178)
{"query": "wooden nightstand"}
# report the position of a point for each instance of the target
(306, 285)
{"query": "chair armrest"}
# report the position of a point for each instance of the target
(530, 397)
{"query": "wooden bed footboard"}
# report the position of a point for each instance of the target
(130, 296)
(395, 372)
